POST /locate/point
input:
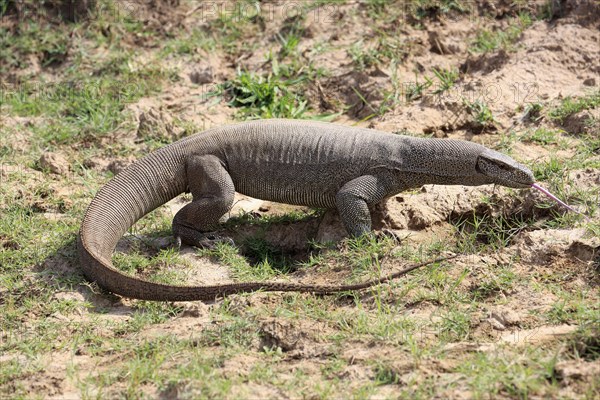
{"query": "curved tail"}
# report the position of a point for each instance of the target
(139, 189)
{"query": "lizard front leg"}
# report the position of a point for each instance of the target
(354, 199)
(213, 192)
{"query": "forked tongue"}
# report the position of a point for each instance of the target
(559, 201)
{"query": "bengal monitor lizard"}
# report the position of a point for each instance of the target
(296, 162)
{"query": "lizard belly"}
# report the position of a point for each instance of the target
(298, 185)
(302, 194)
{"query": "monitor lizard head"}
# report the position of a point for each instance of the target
(497, 168)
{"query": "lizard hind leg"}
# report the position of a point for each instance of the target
(213, 192)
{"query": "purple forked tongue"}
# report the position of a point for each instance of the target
(553, 197)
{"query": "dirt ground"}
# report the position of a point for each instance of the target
(515, 315)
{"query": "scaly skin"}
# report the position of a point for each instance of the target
(296, 162)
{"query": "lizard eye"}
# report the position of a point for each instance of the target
(493, 168)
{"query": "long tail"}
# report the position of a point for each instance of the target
(139, 189)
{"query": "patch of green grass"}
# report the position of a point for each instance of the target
(446, 79)
(156, 269)
(506, 142)
(542, 136)
(432, 8)
(234, 333)
(488, 41)
(572, 308)
(387, 49)
(363, 57)
(278, 94)
(385, 374)
(585, 343)
(49, 43)
(481, 232)
(481, 113)
(289, 44)
(382, 323)
(238, 20)
(532, 112)
(552, 173)
(269, 220)
(82, 109)
(505, 374)
(364, 254)
(571, 105)
(264, 96)
(267, 261)
(414, 12)
(455, 325)
(437, 285)
(414, 90)
(199, 39)
(499, 280)
(549, 170)
(38, 33)
(147, 313)
(376, 7)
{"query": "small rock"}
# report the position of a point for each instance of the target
(201, 76)
(589, 82)
(330, 228)
(119, 165)
(581, 122)
(309, 32)
(51, 216)
(56, 163)
(74, 296)
(158, 124)
(162, 242)
(585, 248)
(574, 370)
(497, 325)
(96, 163)
(440, 134)
(505, 316)
(194, 310)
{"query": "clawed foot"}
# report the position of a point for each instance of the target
(205, 241)
(211, 240)
(388, 233)
(192, 237)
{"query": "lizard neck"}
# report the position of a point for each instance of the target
(419, 161)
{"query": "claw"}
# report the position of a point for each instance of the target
(389, 234)
(210, 241)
